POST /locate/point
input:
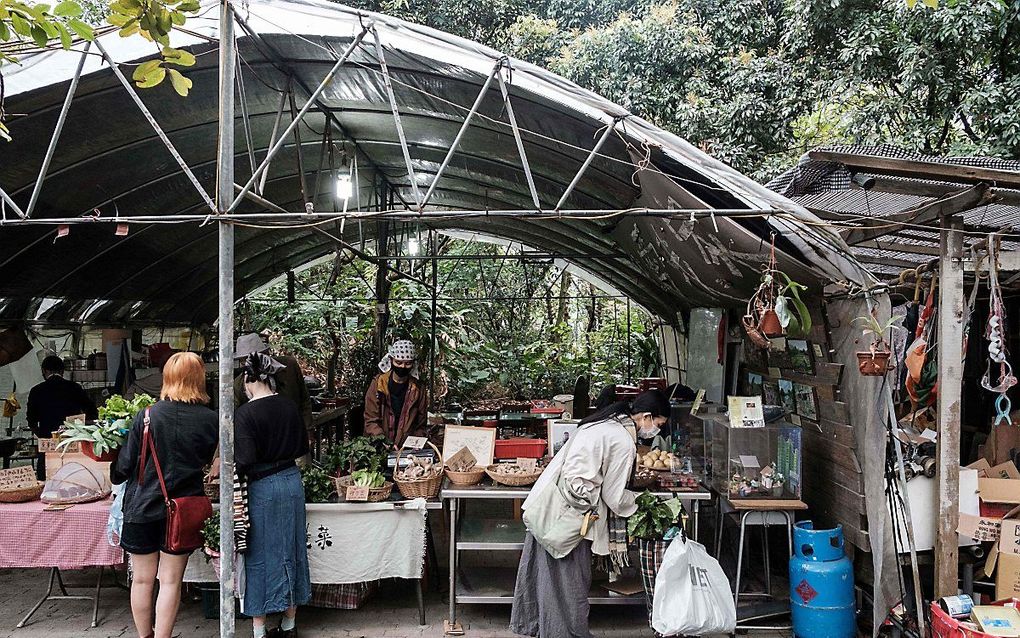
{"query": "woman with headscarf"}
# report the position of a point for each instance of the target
(269, 435)
(551, 595)
(396, 403)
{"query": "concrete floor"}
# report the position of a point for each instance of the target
(391, 613)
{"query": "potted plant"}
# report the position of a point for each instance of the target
(211, 540)
(776, 309)
(318, 484)
(359, 463)
(101, 440)
(874, 362)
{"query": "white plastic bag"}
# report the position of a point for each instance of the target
(692, 593)
(115, 521)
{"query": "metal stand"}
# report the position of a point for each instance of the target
(55, 575)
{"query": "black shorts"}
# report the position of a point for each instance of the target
(146, 538)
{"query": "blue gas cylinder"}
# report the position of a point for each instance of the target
(821, 584)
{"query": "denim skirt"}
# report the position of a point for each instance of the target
(276, 563)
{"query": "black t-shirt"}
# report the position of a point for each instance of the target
(268, 430)
(55, 399)
(398, 394)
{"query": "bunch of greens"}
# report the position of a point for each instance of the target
(318, 484)
(117, 407)
(211, 532)
(104, 435)
(368, 478)
(360, 453)
(653, 516)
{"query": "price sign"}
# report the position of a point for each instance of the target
(17, 477)
(415, 442)
(355, 493)
(528, 465)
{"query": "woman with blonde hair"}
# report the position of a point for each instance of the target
(185, 434)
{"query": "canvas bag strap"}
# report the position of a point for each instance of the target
(148, 443)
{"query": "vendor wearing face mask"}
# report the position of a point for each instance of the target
(396, 403)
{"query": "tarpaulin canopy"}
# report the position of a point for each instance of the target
(110, 161)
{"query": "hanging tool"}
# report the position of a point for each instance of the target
(995, 332)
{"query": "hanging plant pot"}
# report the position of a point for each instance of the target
(874, 362)
(770, 325)
(755, 335)
(106, 457)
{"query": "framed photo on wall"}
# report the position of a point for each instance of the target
(801, 357)
(559, 432)
(786, 396)
(807, 401)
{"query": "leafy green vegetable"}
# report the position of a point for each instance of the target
(318, 484)
(653, 516)
(360, 453)
(117, 407)
(367, 478)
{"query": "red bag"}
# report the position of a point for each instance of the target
(185, 515)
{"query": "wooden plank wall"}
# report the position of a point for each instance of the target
(833, 485)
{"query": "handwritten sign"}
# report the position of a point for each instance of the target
(50, 445)
(355, 493)
(528, 465)
(415, 442)
(17, 477)
(480, 441)
(462, 461)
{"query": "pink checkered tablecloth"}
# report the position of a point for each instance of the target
(72, 539)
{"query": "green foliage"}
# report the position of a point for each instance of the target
(368, 478)
(653, 516)
(154, 20)
(360, 453)
(117, 407)
(318, 484)
(211, 532)
(103, 435)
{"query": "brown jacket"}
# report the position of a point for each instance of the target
(378, 411)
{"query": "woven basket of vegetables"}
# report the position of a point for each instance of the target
(379, 489)
(422, 478)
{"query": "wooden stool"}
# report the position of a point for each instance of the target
(763, 507)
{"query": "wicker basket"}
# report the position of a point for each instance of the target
(473, 476)
(427, 487)
(22, 494)
(375, 494)
(513, 480)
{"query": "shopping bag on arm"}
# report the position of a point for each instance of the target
(692, 593)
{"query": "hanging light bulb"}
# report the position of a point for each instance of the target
(344, 186)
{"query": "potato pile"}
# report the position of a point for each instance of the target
(655, 460)
(419, 469)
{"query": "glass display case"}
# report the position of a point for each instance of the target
(686, 438)
(756, 462)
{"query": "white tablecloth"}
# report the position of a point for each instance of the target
(354, 543)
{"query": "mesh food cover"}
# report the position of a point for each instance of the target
(75, 483)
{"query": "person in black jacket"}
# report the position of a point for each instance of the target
(185, 434)
(51, 402)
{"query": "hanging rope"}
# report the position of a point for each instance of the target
(995, 332)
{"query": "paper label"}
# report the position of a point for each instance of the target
(415, 442)
(77, 418)
(527, 465)
(698, 398)
(462, 461)
(355, 493)
(745, 412)
(50, 445)
(17, 477)
(818, 351)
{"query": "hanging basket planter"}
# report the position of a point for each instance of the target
(753, 333)
(770, 326)
(874, 362)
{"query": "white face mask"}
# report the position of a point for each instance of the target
(647, 429)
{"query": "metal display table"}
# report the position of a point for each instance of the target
(494, 586)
